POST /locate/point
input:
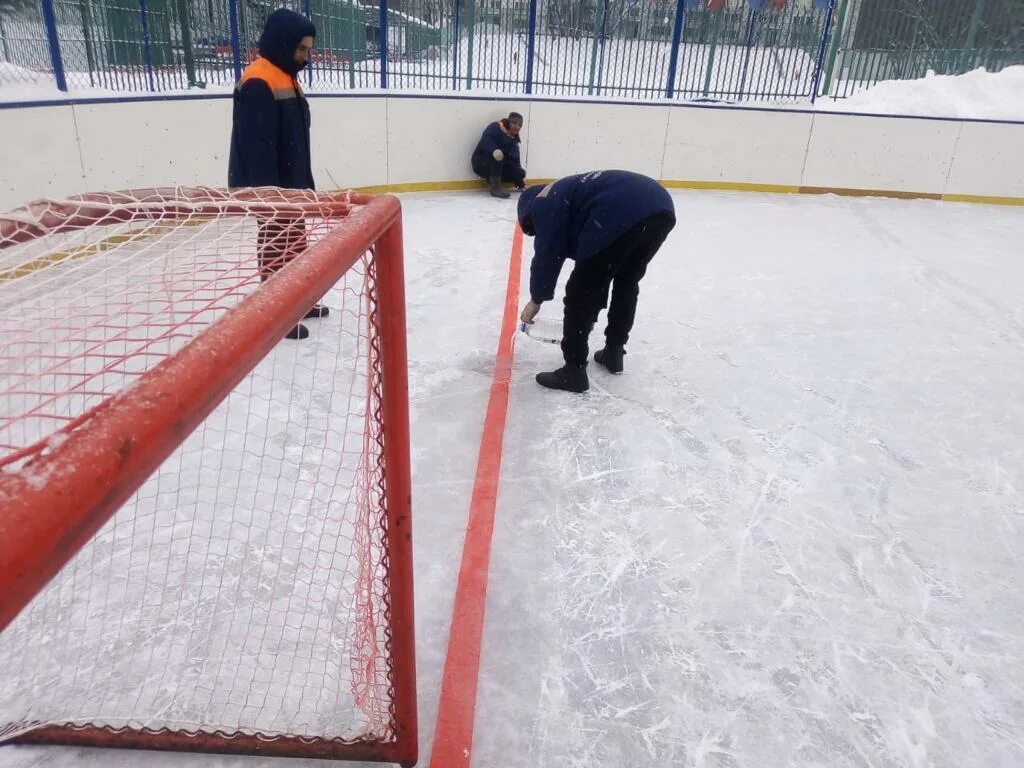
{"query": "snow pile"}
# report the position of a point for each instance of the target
(20, 84)
(11, 72)
(978, 94)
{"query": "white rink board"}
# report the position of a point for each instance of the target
(377, 140)
(579, 137)
(349, 141)
(433, 139)
(712, 145)
(154, 143)
(989, 160)
(860, 152)
(39, 154)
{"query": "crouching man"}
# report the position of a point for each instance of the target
(496, 157)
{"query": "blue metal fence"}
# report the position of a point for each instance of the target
(646, 49)
(905, 39)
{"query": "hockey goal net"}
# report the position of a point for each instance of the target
(205, 536)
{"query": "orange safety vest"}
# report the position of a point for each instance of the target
(282, 85)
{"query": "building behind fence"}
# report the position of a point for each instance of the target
(674, 49)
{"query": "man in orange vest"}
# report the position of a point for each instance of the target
(270, 136)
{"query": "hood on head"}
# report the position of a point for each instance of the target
(526, 199)
(282, 34)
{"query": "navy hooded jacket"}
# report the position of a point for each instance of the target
(270, 122)
(494, 138)
(579, 216)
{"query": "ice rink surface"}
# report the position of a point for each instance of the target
(789, 536)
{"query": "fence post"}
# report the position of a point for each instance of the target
(146, 48)
(244, 36)
(531, 40)
(469, 45)
(677, 36)
(836, 42)
(711, 50)
(185, 22)
(312, 64)
(90, 54)
(972, 36)
(598, 32)
(3, 40)
(236, 54)
(50, 19)
(458, 33)
(821, 51)
(604, 37)
(383, 44)
(746, 56)
(356, 41)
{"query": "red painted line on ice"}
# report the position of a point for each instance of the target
(453, 736)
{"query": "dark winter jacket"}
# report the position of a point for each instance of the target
(270, 130)
(579, 216)
(494, 138)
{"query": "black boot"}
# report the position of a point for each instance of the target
(496, 189)
(317, 311)
(298, 332)
(611, 358)
(571, 378)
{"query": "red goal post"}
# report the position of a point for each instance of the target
(91, 409)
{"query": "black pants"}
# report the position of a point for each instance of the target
(487, 167)
(620, 267)
(278, 241)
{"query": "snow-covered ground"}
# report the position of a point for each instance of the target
(494, 62)
(564, 66)
(788, 536)
(625, 67)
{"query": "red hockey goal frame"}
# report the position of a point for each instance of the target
(107, 454)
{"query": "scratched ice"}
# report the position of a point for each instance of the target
(790, 536)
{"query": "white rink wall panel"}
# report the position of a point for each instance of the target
(989, 160)
(578, 137)
(374, 141)
(432, 140)
(349, 141)
(883, 153)
(725, 145)
(154, 143)
(38, 154)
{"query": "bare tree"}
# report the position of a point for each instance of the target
(433, 11)
(570, 18)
